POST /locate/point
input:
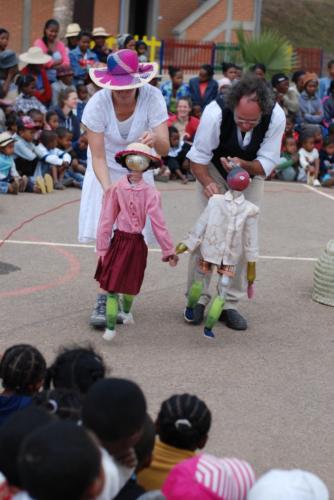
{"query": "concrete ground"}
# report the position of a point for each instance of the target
(270, 388)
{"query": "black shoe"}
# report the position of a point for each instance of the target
(233, 319)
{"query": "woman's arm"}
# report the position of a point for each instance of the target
(96, 144)
(157, 139)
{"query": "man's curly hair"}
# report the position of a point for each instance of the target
(257, 91)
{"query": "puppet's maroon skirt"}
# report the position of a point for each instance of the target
(123, 267)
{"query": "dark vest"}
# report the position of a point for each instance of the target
(228, 141)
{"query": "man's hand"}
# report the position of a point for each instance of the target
(229, 163)
(211, 189)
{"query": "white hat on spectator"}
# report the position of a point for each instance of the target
(100, 32)
(6, 138)
(72, 29)
(224, 82)
(35, 55)
(292, 484)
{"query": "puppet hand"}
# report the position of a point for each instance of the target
(173, 260)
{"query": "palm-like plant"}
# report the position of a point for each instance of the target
(269, 48)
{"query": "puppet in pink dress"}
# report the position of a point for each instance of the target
(123, 252)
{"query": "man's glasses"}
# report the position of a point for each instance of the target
(240, 121)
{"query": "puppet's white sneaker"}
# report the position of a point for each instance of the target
(109, 334)
(126, 318)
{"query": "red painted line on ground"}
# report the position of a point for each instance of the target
(69, 275)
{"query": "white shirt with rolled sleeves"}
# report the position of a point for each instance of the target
(226, 228)
(208, 135)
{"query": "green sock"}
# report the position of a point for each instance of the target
(127, 302)
(215, 311)
(194, 294)
(112, 310)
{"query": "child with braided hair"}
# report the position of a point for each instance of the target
(182, 425)
(22, 372)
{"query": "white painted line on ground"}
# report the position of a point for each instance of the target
(79, 245)
(316, 190)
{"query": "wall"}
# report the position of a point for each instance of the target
(172, 13)
(107, 15)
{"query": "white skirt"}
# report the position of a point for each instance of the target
(91, 203)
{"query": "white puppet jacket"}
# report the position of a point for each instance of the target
(226, 228)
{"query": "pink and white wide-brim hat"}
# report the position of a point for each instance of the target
(123, 72)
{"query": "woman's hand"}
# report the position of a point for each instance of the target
(148, 138)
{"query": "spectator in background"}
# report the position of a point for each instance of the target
(288, 167)
(224, 84)
(297, 81)
(67, 104)
(203, 88)
(309, 161)
(82, 93)
(230, 71)
(126, 41)
(287, 98)
(4, 39)
(176, 159)
(54, 48)
(326, 157)
(174, 88)
(8, 71)
(326, 80)
(72, 35)
(259, 70)
(82, 58)
(51, 120)
(328, 105)
(10, 180)
(141, 49)
(310, 107)
(33, 61)
(64, 81)
(100, 48)
(26, 99)
(183, 121)
(196, 111)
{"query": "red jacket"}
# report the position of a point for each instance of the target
(190, 128)
(45, 94)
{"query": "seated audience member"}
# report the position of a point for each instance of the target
(328, 105)
(182, 425)
(326, 158)
(74, 174)
(229, 71)
(33, 61)
(8, 71)
(4, 39)
(82, 58)
(80, 148)
(100, 47)
(259, 70)
(63, 403)
(326, 81)
(12, 120)
(286, 96)
(224, 478)
(297, 81)
(61, 460)
(82, 93)
(224, 85)
(12, 434)
(10, 180)
(22, 373)
(289, 484)
(308, 161)
(176, 160)
(37, 117)
(196, 111)
(310, 107)
(183, 121)
(64, 81)
(52, 161)
(290, 130)
(51, 120)
(26, 99)
(72, 35)
(75, 368)
(141, 49)
(144, 451)
(68, 100)
(115, 410)
(288, 167)
(174, 88)
(203, 88)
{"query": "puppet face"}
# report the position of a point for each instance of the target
(137, 163)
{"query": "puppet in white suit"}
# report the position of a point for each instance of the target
(226, 228)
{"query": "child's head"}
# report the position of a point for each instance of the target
(26, 128)
(61, 461)
(176, 76)
(75, 368)
(330, 67)
(290, 145)
(196, 111)
(184, 422)
(26, 85)
(329, 145)
(145, 445)
(6, 143)
(310, 81)
(64, 138)
(141, 47)
(64, 403)
(84, 40)
(37, 117)
(65, 74)
(82, 92)
(115, 409)
(11, 122)
(174, 136)
(49, 139)
(229, 71)
(289, 125)
(4, 38)
(12, 433)
(22, 369)
(52, 119)
(298, 79)
(83, 142)
(308, 142)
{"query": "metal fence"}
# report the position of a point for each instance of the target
(226, 52)
(185, 54)
(310, 60)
